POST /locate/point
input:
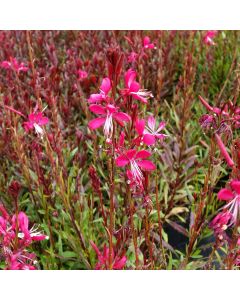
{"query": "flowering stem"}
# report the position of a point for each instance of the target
(131, 202)
(111, 225)
(112, 187)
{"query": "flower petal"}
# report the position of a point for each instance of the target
(43, 121)
(151, 123)
(146, 40)
(160, 136)
(122, 161)
(23, 224)
(149, 139)
(27, 126)
(134, 87)
(97, 109)
(3, 224)
(131, 153)
(142, 99)
(143, 154)
(235, 185)
(146, 165)
(95, 98)
(139, 125)
(122, 117)
(39, 237)
(95, 123)
(120, 263)
(225, 194)
(161, 126)
(106, 85)
(32, 118)
(129, 77)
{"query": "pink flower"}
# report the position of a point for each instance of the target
(82, 74)
(137, 161)
(223, 151)
(132, 57)
(24, 233)
(6, 65)
(147, 44)
(232, 196)
(17, 228)
(208, 37)
(108, 113)
(21, 261)
(133, 87)
(36, 121)
(103, 259)
(13, 64)
(149, 133)
(228, 113)
(104, 91)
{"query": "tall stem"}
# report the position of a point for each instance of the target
(131, 202)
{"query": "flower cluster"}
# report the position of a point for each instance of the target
(15, 238)
(111, 114)
(14, 65)
(141, 50)
(222, 121)
(219, 118)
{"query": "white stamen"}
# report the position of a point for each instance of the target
(33, 232)
(38, 129)
(108, 127)
(143, 93)
(137, 174)
(234, 208)
(21, 235)
(44, 108)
